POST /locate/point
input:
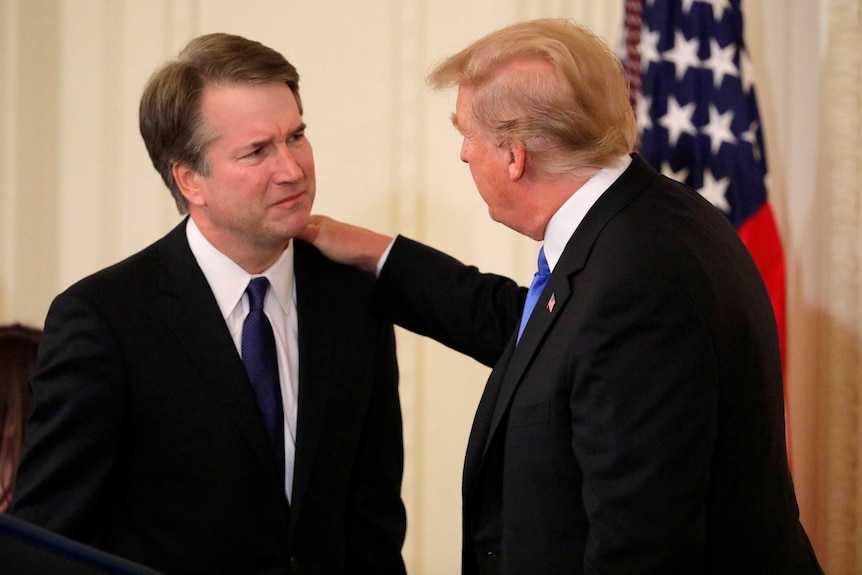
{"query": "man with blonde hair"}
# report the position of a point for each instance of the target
(633, 421)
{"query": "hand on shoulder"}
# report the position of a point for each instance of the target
(346, 243)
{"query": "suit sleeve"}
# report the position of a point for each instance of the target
(432, 294)
(71, 438)
(644, 411)
(378, 522)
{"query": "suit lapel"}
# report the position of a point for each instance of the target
(193, 316)
(509, 371)
(543, 317)
(317, 328)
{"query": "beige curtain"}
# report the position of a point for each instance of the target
(839, 510)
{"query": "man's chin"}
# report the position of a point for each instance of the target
(290, 228)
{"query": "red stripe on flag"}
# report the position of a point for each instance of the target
(760, 235)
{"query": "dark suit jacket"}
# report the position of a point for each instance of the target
(638, 425)
(146, 439)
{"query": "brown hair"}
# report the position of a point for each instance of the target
(170, 110)
(578, 116)
(18, 349)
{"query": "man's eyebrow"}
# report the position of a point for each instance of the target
(266, 141)
(258, 143)
(454, 119)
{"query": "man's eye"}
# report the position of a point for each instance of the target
(297, 137)
(255, 153)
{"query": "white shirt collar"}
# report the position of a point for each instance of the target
(228, 280)
(563, 224)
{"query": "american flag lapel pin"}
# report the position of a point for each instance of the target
(552, 302)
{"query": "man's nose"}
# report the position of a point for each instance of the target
(287, 166)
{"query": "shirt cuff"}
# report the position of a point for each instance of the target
(382, 260)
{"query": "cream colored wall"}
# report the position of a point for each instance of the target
(77, 191)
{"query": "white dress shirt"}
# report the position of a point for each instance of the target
(228, 282)
(566, 220)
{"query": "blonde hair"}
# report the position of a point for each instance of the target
(575, 116)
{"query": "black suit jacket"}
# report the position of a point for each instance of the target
(146, 439)
(638, 426)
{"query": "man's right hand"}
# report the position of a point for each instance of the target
(345, 243)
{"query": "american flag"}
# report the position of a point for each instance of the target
(692, 89)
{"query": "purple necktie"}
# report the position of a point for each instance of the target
(539, 280)
(261, 364)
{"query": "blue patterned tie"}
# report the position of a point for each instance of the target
(261, 364)
(539, 281)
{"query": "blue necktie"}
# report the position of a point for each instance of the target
(261, 364)
(539, 281)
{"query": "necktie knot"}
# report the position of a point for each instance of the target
(544, 268)
(256, 291)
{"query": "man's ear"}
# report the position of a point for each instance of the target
(189, 183)
(517, 160)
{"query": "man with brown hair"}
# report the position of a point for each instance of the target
(222, 401)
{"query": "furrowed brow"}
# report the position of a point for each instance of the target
(259, 143)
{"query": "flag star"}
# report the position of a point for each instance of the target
(750, 136)
(721, 62)
(649, 47)
(680, 176)
(686, 6)
(677, 120)
(644, 120)
(718, 129)
(683, 54)
(718, 8)
(715, 191)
